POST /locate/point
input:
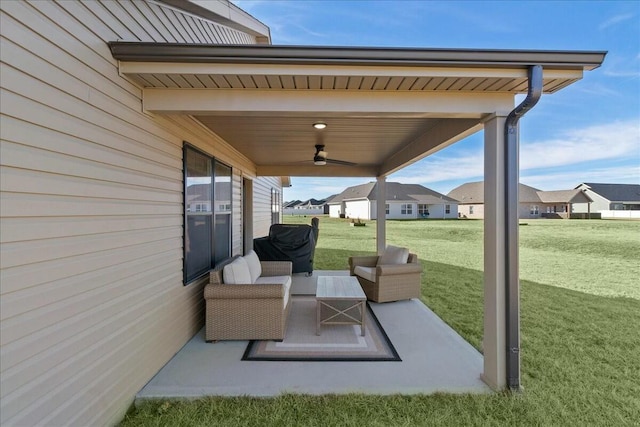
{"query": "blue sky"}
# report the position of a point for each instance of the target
(588, 132)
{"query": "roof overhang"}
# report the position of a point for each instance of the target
(384, 107)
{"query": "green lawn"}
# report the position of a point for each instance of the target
(580, 331)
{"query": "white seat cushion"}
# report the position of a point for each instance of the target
(255, 268)
(236, 273)
(284, 280)
(368, 273)
(394, 255)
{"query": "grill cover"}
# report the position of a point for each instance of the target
(289, 242)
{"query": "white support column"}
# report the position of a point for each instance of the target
(381, 215)
(495, 226)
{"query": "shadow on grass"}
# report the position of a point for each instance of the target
(578, 350)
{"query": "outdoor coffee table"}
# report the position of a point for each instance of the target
(343, 300)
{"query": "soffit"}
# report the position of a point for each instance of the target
(385, 108)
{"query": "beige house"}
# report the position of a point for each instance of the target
(111, 111)
(533, 203)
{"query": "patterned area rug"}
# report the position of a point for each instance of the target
(335, 342)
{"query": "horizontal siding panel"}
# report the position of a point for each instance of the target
(34, 182)
(59, 46)
(237, 244)
(35, 251)
(262, 204)
(136, 126)
(25, 161)
(27, 299)
(93, 302)
(22, 277)
(155, 12)
(39, 205)
(22, 229)
(45, 334)
(88, 350)
(57, 131)
(19, 58)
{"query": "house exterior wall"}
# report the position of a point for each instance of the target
(358, 209)
(93, 302)
(465, 211)
(334, 211)
(439, 211)
(599, 203)
(395, 210)
(262, 218)
(524, 210)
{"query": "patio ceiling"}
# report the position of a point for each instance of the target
(384, 108)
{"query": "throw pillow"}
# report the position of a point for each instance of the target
(255, 268)
(394, 255)
(236, 272)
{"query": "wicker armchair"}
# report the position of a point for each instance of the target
(248, 311)
(384, 283)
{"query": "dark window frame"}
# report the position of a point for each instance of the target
(188, 279)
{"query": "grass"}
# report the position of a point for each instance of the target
(580, 342)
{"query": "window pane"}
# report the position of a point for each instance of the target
(198, 214)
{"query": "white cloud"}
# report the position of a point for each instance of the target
(570, 179)
(436, 169)
(598, 142)
(615, 20)
(605, 142)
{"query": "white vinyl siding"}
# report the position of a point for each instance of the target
(91, 205)
(236, 215)
(358, 209)
(334, 211)
(262, 204)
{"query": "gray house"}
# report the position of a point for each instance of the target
(533, 203)
(609, 198)
(403, 201)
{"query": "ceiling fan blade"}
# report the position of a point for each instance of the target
(340, 162)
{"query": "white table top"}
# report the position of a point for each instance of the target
(339, 287)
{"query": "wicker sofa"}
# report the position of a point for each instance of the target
(383, 280)
(248, 309)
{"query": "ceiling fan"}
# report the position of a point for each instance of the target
(320, 158)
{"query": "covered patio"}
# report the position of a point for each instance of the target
(434, 359)
(382, 109)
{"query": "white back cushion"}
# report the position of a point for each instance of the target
(394, 255)
(236, 272)
(255, 269)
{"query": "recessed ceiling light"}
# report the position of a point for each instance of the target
(319, 125)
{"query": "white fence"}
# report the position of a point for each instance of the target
(620, 214)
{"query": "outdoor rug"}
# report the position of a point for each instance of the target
(335, 343)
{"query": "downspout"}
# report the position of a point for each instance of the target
(512, 285)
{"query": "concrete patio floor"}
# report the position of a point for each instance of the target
(434, 359)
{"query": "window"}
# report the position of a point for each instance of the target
(406, 209)
(447, 209)
(533, 210)
(275, 206)
(386, 208)
(207, 233)
(470, 210)
(423, 210)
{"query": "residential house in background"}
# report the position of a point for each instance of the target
(307, 207)
(534, 203)
(112, 110)
(403, 201)
(610, 200)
